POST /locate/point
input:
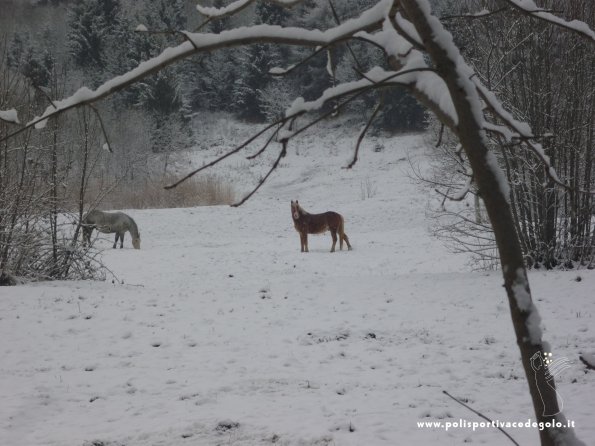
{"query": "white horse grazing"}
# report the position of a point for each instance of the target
(108, 223)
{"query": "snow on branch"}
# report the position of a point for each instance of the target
(9, 116)
(463, 192)
(529, 7)
(375, 78)
(389, 40)
(407, 30)
(234, 7)
(476, 15)
(225, 11)
(427, 83)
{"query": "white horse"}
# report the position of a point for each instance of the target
(108, 223)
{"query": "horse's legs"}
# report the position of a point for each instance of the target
(334, 236)
(122, 239)
(116, 241)
(304, 239)
(346, 241)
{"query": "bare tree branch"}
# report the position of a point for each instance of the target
(478, 15)
(282, 154)
(482, 416)
(360, 138)
(226, 155)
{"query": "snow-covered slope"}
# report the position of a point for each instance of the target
(223, 333)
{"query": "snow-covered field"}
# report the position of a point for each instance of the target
(222, 333)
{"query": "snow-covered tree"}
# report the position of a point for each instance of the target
(91, 25)
(256, 61)
(421, 57)
(33, 61)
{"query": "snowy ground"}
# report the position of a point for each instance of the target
(223, 333)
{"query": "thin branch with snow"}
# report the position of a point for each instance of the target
(530, 8)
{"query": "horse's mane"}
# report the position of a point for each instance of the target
(302, 210)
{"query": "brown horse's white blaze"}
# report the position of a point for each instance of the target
(306, 223)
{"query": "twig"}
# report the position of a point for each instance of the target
(203, 24)
(282, 153)
(288, 70)
(482, 416)
(475, 16)
(264, 147)
(360, 138)
(336, 16)
(439, 142)
(103, 130)
(44, 93)
(460, 196)
(227, 154)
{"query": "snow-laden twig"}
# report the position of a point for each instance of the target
(476, 15)
(375, 78)
(237, 6)
(232, 8)
(530, 8)
(408, 31)
(462, 193)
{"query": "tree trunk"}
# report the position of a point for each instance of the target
(490, 181)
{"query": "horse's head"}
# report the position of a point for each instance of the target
(136, 242)
(295, 210)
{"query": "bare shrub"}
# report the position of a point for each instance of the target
(368, 188)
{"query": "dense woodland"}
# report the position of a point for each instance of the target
(49, 49)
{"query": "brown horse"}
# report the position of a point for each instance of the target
(306, 223)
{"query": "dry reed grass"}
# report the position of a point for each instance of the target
(147, 193)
